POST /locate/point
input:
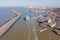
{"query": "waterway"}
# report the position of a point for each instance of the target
(20, 30)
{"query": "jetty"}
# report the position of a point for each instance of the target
(6, 26)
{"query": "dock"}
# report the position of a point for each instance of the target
(5, 27)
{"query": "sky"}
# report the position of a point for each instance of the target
(18, 3)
